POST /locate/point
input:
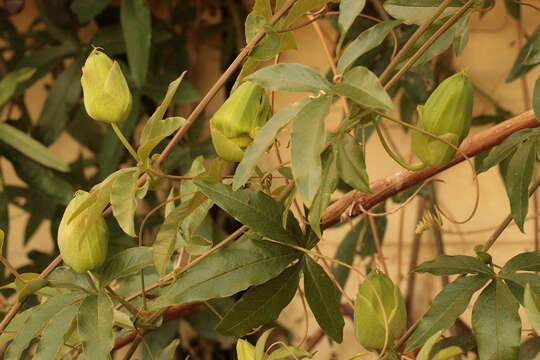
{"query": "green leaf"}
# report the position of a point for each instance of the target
(329, 182)
(300, 7)
(530, 349)
(52, 337)
(35, 323)
(532, 307)
(94, 322)
(308, 139)
(288, 352)
(536, 98)
(533, 56)
(66, 277)
(159, 131)
(169, 352)
(418, 11)
(517, 177)
(9, 83)
(520, 68)
(15, 325)
(465, 343)
(125, 263)
(61, 99)
(323, 298)
(496, 324)
(123, 201)
(204, 321)
(254, 209)
(528, 261)
(426, 349)
(461, 36)
(290, 77)
(154, 121)
(156, 89)
(367, 40)
(31, 148)
(363, 87)
(166, 238)
(505, 149)
(87, 10)
(458, 264)
(111, 148)
(262, 142)
(517, 282)
(40, 178)
(445, 309)
(348, 11)
(137, 28)
(261, 304)
(268, 47)
(513, 8)
(350, 163)
(228, 271)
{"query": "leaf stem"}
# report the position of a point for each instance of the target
(124, 141)
(392, 154)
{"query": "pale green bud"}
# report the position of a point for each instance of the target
(244, 350)
(368, 316)
(238, 120)
(83, 240)
(106, 92)
(447, 114)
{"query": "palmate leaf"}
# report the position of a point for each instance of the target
(290, 77)
(125, 263)
(496, 324)
(363, 87)
(532, 307)
(261, 304)
(52, 337)
(527, 261)
(458, 264)
(228, 271)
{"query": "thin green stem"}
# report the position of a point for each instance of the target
(392, 154)
(428, 43)
(395, 61)
(124, 141)
(508, 219)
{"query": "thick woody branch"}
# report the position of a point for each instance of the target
(395, 183)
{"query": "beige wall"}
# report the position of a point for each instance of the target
(487, 59)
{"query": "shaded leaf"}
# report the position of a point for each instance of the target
(517, 177)
(125, 263)
(31, 148)
(52, 337)
(446, 307)
(136, 23)
(323, 298)
(528, 261)
(418, 11)
(166, 238)
(532, 308)
(159, 131)
(290, 77)
(458, 264)
(9, 83)
(66, 277)
(262, 142)
(426, 349)
(261, 304)
(350, 163)
(94, 323)
(308, 139)
(123, 201)
(228, 271)
(348, 11)
(367, 40)
(254, 209)
(267, 47)
(87, 10)
(363, 87)
(496, 324)
(536, 98)
(520, 68)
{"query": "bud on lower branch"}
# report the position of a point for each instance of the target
(83, 239)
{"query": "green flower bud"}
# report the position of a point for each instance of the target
(447, 114)
(106, 92)
(83, 240)
(238, 120)
(244, 350)
(368, 316)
